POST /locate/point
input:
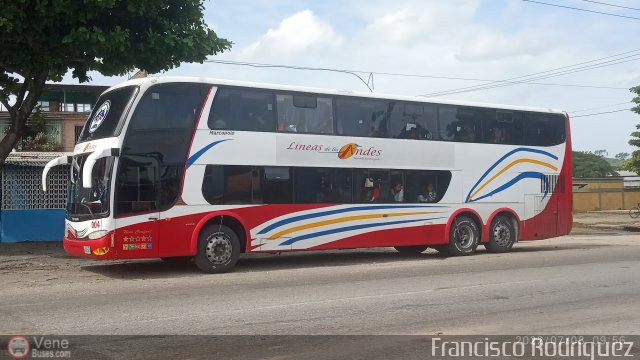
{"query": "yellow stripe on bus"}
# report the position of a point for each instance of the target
(345, 219)
(510, 166)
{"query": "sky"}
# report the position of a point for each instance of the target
(471, 39)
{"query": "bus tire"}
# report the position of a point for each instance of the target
(464, 238)
(411, 250)
(177, 259)
(218, 249)
(502, 235)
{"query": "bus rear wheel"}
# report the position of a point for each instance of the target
(464, 237)
(502, 235)
(411, 250)
(218, 249)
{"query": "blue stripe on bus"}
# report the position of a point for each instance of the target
(349, 228)
(201, 152)
(501, 160)
(524, 175)
(339, 211)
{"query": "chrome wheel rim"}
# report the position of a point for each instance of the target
(219, 248)
(464, 236)
(501, 234)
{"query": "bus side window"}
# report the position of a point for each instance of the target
(544, 129)
(360, 117)
(277, 185)
(243, 110)
(305, 114)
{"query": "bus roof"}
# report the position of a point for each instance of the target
(213, 81)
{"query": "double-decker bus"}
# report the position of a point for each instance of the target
(204, 169)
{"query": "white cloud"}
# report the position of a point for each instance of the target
(416, 24)
(300, 33)
(488, 46)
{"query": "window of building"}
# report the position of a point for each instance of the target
(305, 114)
(44, 105)
(361, 117)
(413, 121)
(77, 129)
(242, 109)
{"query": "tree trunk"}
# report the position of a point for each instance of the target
(21, 111)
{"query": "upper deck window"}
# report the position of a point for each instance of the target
(305, 114)
(242, 109)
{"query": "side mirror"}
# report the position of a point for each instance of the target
(91, 161)
(62, 160)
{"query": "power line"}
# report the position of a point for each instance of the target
(614, 5)
(551, 73)
(600, 113)
(266, 65)
(541, 72)
(580, 9)
(600, 107)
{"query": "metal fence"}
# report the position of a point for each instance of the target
(21, 188)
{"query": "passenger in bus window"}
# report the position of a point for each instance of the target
(397, 192)
(498, 135)
(429, 194)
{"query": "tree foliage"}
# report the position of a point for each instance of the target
(633, 164)
(587, 165)
(41, 40)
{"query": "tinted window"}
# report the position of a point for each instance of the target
(232, 185)
(360, 117)
(371, 185)
(413, 121)
(305, 114)
(460, 123)
(242, 109)
(544, 129)
(322, 185)
(109, 114)
(277, 185)
(155, 147)
(505, 128)
(426, 186)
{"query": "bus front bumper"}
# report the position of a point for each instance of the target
(95, 249)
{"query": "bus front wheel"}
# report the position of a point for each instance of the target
(464, 237)
(502, 235)
(218, 249)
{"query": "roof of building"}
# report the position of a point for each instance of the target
(25, 158)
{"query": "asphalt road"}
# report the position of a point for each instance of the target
(584, 284)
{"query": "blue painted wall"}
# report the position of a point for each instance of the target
(31, 225)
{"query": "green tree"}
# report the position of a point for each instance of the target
(633, 164)
(586, 165)
(41, 40)
(622, 156)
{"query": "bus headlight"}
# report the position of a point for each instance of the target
(97, 234)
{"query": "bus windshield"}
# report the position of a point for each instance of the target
(89, 203)
(108, 116)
